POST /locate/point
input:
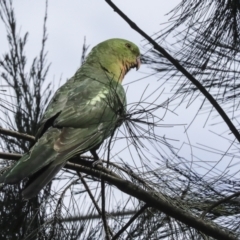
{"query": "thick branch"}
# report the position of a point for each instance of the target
(10, 156)
(180, 68)
(104, 219)
(155, 201)
(17, 135)
(150, 198)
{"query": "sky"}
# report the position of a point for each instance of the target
(70, 21)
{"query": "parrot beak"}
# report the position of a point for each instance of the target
(138, 62)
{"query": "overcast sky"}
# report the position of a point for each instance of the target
(69, 21)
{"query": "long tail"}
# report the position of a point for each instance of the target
(40, 161)
(40, 179)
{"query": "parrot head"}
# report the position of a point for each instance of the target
(117, 56)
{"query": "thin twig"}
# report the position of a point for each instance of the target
(153, 200)
(180, 68)
(57, 212)
(93, 200)
(89, 193)
(103, 210)
(218, 203)
(131, 220)
(97, 216)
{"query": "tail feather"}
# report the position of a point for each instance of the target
(34, 185)
(39, 156)
(25, 168)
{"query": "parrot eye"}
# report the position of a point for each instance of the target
(128, 45)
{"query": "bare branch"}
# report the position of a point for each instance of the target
(155, 201)
(131, 220)
(219, 202)
(180, 68)
(17, 135)
(105, 224)
(97, 216)
(10, 156)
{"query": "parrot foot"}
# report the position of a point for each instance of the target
(97, 162)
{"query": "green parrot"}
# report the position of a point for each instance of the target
(81, 115)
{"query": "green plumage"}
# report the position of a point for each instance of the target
(80, 116)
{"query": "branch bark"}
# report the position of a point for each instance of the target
(152, 199)
(17, 135)
(155, 201)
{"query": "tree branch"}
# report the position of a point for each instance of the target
(10, 156)
(152, 199)
(131, 220)
(155, 201)
(97, 216)
(104, 219)
(107, 228)
(221, 201)
(194, 81)
(17, 135)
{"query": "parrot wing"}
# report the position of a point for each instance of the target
(77, 119)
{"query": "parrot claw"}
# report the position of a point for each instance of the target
(95, 163)
(97, 160)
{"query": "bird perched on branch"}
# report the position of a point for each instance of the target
(81, 115)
